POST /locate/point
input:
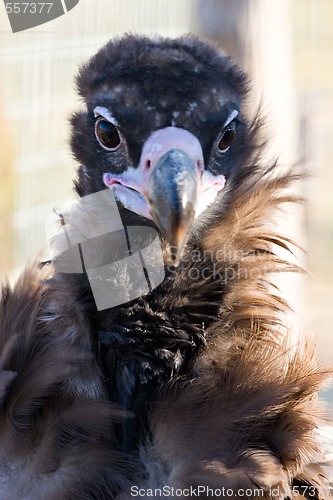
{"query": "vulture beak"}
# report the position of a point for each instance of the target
(173, 195)
(169, 186)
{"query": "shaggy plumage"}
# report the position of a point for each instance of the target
(190, 386)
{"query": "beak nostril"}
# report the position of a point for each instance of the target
(200, 165)
(147, 164)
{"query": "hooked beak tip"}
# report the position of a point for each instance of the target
(177, 244)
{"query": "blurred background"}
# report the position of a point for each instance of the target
(286, 46)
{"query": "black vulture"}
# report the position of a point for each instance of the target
(188, 388)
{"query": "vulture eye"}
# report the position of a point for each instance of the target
(107, 135)
(228, 137)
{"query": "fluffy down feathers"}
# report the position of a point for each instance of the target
(242, 415)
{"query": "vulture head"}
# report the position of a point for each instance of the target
(164, 129)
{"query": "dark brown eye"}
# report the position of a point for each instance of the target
(228, 137)
(107, 135)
